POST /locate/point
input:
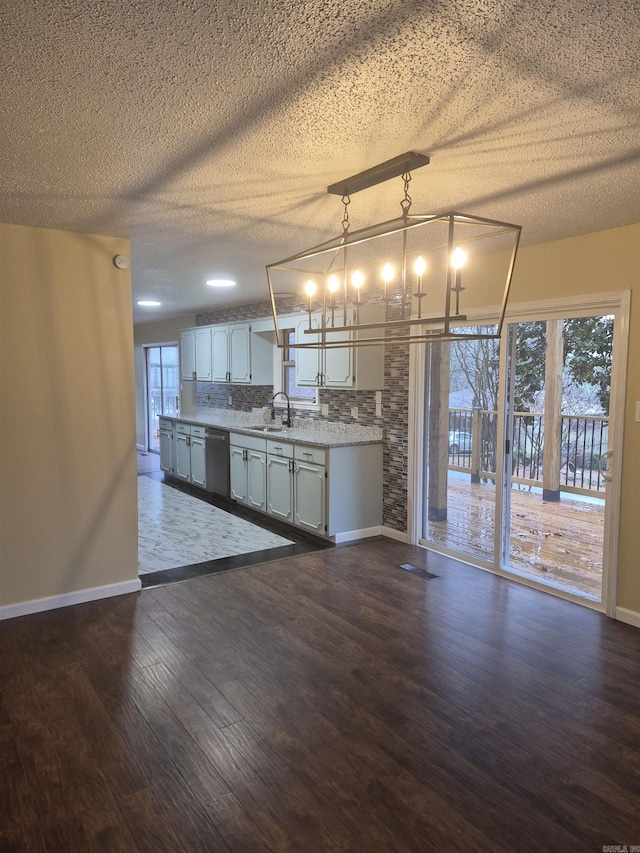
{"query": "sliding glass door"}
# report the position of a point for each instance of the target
(163, 388)
(519, 437)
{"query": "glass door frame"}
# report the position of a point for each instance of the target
(615, 303)
(145, 358)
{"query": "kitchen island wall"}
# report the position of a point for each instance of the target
(395, 405)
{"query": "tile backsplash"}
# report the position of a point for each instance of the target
(395, 407)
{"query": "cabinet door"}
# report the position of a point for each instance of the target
(188, 354)
(279, 488)
(338, 364)
(166, 450)
(257, 480)
(238, 475)
(307, 360)
(198, 466)
(240, 353)
(203, 354)
(183, 457)
(309, 492)
(220, 353)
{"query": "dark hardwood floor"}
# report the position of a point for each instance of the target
(329, 701)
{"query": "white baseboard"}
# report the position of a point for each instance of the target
(631, 617)
(354, 535)
(394, 534)
(38, 605)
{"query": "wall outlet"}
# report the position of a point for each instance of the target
(324, 410)
(378, 404)
(230, 401)
(207, 397)
(354, 412)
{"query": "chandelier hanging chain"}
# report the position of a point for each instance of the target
(407, 201)
(346, 200)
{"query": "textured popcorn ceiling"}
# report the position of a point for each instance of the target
(207, 133)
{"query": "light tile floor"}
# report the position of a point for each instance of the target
(175, 529)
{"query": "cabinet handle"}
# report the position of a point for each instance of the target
(194, 375)
(306, 453)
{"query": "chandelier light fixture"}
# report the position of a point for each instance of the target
(406, 280)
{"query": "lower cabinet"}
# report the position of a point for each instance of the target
(296, 485)
(334, 492)
(165, 429)
(189, 459)
(248, 471)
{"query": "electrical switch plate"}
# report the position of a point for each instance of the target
(324, 410)
(354, 412)
(230, 400)
(378, 404)
(638, 411)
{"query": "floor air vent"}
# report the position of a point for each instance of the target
(423, 573)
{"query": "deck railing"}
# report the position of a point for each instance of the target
(472, 448)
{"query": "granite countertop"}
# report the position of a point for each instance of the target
(304, 430)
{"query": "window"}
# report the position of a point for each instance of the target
(302, 397)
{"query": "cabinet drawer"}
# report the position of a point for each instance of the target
(316, 455)
(165, 423)
(198, 431)
(280, 448)
(248, 441)
(184, 429)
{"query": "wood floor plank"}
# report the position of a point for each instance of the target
(329, 701)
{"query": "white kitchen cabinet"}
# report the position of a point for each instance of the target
(241, 356)
(182, 468)
(309, 496)
(296, 485)
(280, 480)
(248, 471)
(165, 427)
(231, 350)
(358, 368)
(188, 354)
(189, 461)
(198, 462)
(195, 354)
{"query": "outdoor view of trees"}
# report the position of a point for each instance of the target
(586, 384)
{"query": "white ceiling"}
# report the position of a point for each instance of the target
(207, 133)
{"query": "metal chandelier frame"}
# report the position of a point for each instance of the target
(402, 324)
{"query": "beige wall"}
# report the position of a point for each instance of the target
(596, 263)
(161, 332)
(68, 510)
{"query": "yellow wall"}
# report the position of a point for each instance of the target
(68, 510)
(160, 332)
(596, 263)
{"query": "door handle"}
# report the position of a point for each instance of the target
(605, 473)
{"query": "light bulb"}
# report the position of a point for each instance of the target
(420, 265)
(387, 273)
(458, 258)
(310, 288)
(357, 279)
(333, 284)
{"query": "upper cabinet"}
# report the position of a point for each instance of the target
(231, 347)
(195, 354)
(230, 353)
(358, 368)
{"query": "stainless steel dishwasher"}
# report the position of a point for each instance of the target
(217, 461)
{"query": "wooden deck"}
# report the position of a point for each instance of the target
(559, 544)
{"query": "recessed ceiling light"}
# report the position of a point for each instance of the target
(148, 303)
(221, 282)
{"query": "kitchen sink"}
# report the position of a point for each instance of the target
(267, 428)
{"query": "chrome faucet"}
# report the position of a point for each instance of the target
(286, 421)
